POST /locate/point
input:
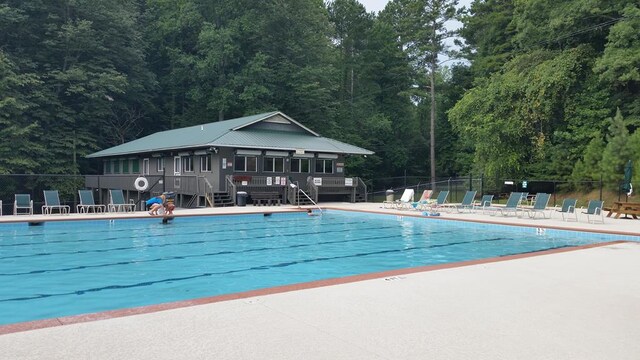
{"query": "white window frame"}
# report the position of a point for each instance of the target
(177, 166)
(145, 166)
(324, 166)
(274, 161)
(245, 158)
(299, 161)
(160, 164)
(205, 163)
(187, 164)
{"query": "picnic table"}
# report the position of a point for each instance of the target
(626, 208)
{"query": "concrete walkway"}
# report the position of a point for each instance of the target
(582, 304)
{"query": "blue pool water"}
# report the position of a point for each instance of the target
(67, 268)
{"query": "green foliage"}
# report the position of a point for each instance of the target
(618, 151)
(537, 100)
(510, 117)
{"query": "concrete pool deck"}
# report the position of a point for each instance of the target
(582, 304)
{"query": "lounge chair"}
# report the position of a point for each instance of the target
(23, 202)
(424, 200)
(117, 202)
(52, 202)
(512, 206)
(594, 211)
(467, 202)
(485, 203)
(568, 209)
(539, 206)
(440, 201)
(405, 200)
(87, 204)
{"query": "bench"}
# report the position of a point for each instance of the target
(266, 198)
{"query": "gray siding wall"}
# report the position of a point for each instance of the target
(222, 164)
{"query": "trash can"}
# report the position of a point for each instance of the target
(389, 194)
(241, 198)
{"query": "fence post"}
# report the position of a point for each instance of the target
(554, 193)
(600, 187)
(100, 190)
(470, 181)
(482, 184)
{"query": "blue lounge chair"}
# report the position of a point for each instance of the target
(21, 203)
(568, 209)
(466, 204)
(117, 202)
(440, 201)
(594, 211)
(484, 204)
(539, 206)
(87, 203)
(513, 204)
(52, 202)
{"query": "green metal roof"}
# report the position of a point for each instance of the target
(235, 133)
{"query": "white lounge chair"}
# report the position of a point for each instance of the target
(405, 200)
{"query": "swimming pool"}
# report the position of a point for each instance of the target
(74, 267)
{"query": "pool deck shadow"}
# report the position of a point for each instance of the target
(559, 304)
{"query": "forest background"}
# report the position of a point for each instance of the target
(550, 89)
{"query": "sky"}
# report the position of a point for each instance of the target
(377, 5)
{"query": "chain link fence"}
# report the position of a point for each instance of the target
(68, 186)
(500, 188)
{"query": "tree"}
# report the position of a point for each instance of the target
(421, 26)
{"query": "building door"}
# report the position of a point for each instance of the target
(177, 169)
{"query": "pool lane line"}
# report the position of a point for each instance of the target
(77, 319)
(478, 221)
(263, 267)
(128, 230)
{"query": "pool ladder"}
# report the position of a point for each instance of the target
(295, 186)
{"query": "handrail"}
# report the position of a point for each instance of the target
(228, 182)
(298, 189)
(313, 189)
(362, 185)
(208, 193)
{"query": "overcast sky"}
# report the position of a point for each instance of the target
(377, 5)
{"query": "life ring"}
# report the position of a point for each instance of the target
(630, 190)
(141, 183)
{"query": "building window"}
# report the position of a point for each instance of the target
(135, 166)
(300, 165)
(274, 164)
(125, 166)
(115, 166)
(205, 163)
(107, 167)
(145, 166)
(246, 163)
(187, 164)
(324, 166)
(160, 164)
